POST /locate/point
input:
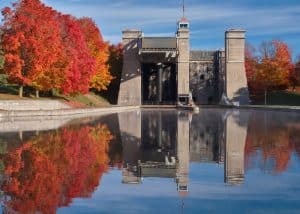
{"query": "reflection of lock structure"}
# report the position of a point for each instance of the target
(160, 150)
(170, 161)
(234, 151)
(164, 142)
(183, 153)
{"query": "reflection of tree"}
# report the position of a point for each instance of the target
(46, 172)
(276, 141)
(115, 152)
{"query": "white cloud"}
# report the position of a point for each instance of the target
(116, 16)
(208, 21)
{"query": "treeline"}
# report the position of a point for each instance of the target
(47, 50)
(270, 67)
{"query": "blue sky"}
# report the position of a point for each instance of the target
(263, 20)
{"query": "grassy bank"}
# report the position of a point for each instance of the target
(10, 92)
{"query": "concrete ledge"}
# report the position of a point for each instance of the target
(256, 107)
(188, 108)
(81, 112)
(66, 112)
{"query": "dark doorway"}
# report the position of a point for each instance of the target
(159, 85)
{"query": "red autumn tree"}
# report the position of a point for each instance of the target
(1, 53)
(48, 171)
(275, 65)
(29, 27)
(98, 49)
(80, 65)
(48, 50)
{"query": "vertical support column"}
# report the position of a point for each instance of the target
(130, 88)
(236, 87)
(221, 73)
(160, 70)
(183, 152)
(183, 63)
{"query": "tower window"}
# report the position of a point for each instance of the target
(184, 25)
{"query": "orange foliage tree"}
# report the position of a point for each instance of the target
(46, 172)
(276, 65)
(98, 49)
(296, 75)
(272, 69)
(48, 50)
(80, 64)
(28, 30)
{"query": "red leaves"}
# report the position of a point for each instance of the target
(272, 69)
(53, 50)
(98, 49)
(48, 171)
(274, 141)
(80, 63)
(6, 11)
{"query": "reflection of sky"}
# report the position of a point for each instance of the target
(261, 192)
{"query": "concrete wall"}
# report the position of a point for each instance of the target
(24, 105)
(206, 92)
(207, 76)
(236, 82)
(130, 88)
(183, 61)
(71, 113)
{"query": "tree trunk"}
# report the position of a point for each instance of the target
(21, 91)
(37, 93)
(53, 92)
(265, 96)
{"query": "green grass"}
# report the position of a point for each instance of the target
(9, 89)
(11, 92)
(90, 100)
(284, 98)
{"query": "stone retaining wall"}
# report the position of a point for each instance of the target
(16, 121)
(82, 112)
(29, 105)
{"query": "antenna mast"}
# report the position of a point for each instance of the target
(183, 8)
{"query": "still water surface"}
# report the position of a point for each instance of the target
(215, 161)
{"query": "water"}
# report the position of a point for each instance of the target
(216, 161)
